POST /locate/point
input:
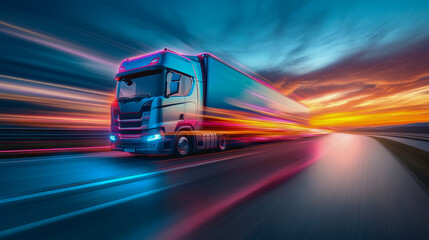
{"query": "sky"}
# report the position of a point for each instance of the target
(353, 63)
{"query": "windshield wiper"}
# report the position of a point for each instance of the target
(123, 99)
(139, 97)
(135, 98)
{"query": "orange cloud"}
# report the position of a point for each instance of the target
(363, 91)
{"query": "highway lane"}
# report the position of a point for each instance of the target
(337, 185)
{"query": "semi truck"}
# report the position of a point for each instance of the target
(171, 103)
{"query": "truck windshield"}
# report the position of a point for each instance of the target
(146, 84)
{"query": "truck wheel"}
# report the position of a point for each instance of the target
(183, 144)
(222, 143)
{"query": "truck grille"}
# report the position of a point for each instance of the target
(132, 145)
(130, 132)
(130, 124)
(126, 116)
(133, 121)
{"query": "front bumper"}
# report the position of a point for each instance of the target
(140, 145)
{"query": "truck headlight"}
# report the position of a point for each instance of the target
(112, 138)
(154, 137)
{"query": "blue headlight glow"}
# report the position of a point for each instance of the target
(154, 137)
(112, 138)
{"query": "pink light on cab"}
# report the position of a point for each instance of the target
(121, 68)
(154, 61)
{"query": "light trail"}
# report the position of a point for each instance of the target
(56, 85)
(59, 103)
(58, 119)
(53, 93)
(54, 43)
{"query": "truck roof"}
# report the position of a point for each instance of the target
(163, 58)
(129, 65)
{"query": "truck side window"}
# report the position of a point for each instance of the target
(185, 84)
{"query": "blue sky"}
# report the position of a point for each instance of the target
(292, 36)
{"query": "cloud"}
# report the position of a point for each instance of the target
(361, 84)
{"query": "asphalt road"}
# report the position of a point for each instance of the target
(338, 186)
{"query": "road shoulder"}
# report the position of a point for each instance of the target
(415, 160)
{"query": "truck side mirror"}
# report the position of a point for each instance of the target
(174, 87)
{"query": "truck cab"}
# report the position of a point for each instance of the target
(157, 105)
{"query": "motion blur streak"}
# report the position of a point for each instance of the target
(59, 98)
(53, 43)
(102, 183)
(116, 180)
(47, 150)
(56, 85)
(63, 120)
(79, 212)
(191, 223)
(25, 89)
(185, 227)
(242, 123)
(58, 103)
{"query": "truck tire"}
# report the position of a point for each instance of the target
(183, 145)
(222, 143)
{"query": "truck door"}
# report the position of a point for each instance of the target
(174, 106)
(180, 88)
(188, 90)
